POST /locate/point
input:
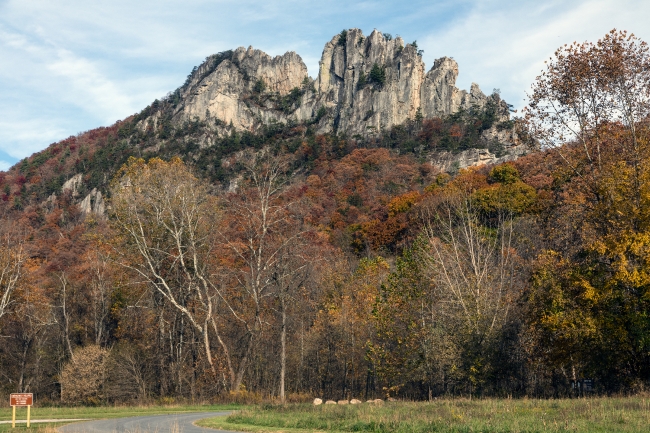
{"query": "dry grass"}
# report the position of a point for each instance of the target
(492, 415)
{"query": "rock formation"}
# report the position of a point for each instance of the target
(73, 184)
(362, 104)
(225, 93)
(92, 203)
(365, 85)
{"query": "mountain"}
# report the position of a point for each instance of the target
(371, 90)
(364, 84)
(325, 231)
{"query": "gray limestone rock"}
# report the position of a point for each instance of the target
(229, 93)
(356, 101)
(73, 184)
(365, 85)
(93, 203)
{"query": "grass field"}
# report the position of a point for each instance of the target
(578, 415)
(101, 412)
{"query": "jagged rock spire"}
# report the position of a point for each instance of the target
(364, 85)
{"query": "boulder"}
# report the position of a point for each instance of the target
(330, 402)
(318, 401)
(343, 402)
(355, 401)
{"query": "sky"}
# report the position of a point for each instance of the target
(67, 66)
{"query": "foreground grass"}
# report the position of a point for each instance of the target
(494, 416)
(101, 412)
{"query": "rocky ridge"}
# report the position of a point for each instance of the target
(365, 85)
(93, 202)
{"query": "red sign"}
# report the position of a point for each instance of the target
(22, 399)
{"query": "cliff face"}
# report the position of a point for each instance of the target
(360, 108)
(364, 85)
(224, 93)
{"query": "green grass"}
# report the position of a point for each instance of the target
(487, 416)
(100, 412)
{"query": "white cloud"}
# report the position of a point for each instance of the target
(90, 89)
(503, 45)
(20, 138)
(74, 65)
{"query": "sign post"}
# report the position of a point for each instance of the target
(20, 400)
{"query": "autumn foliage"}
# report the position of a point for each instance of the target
(290, 264)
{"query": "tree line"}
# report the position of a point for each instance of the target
(369, 274)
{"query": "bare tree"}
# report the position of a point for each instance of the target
(473, 267)
(100, 291)
(165, 216)
(12, 259)
(65, 311)
(291, 270)
(260, 225)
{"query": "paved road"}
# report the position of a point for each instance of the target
(34, 421)
(180, 423)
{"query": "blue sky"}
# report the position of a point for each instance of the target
(70, 66)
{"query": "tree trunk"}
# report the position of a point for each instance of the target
(283, 354)
(239, 378)
(23, 366)
(66, 318)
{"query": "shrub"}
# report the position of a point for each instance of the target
(343, 38)
(82, 378)
(363, 80)
(287, 102)
(378, 75)
(322, 112)
(260, 86)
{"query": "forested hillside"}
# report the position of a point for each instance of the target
(188, 258)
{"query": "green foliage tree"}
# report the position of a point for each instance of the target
(343, 38)
(377, 75)
(363, 80)
(589, 293)
(259, 87)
